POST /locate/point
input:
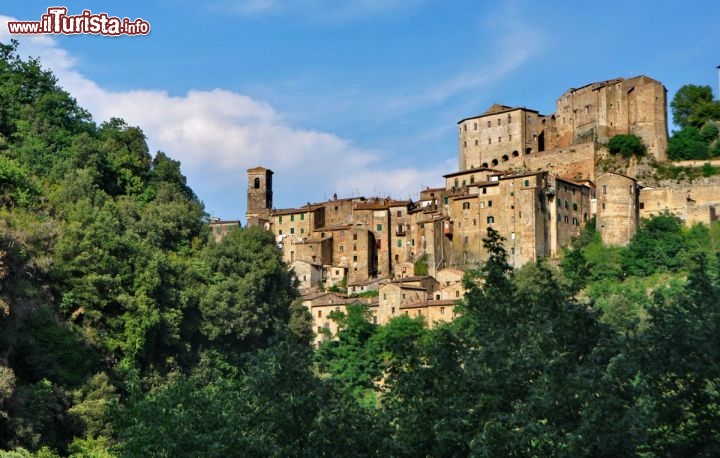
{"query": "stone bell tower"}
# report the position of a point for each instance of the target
(259, 196)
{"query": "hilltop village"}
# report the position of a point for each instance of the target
(534, 178)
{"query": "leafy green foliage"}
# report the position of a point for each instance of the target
(627, 145)
(688, 143)
(693, 106)
(420, 267)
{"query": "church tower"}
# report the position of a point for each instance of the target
(259, 196)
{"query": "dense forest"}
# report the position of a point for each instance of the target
(125, 330)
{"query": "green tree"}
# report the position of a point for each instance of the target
(659, 244)
(693, 106)
(688, 143)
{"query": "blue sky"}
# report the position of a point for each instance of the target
(354, 97)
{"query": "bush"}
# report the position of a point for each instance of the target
(627, 145)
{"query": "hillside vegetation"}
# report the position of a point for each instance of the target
(125, 330)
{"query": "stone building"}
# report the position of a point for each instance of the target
(220, 228)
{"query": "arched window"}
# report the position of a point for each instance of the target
(256, 183)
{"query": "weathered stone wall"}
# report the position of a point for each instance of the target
(694, 203)
(575, 162)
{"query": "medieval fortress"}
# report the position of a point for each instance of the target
(534, 178)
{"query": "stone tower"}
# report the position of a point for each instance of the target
(259, 196)
(617, 208)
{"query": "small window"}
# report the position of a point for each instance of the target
(457, 293)
(302, 216)
(499, 122)
(489, 141)
(280, 232)
(472, 179)
(280, 219)
(399, 213)
(575, 206)
(484, 190)
(499, 139)
(379, 227)
(342, 248)
(319, 313)
(489, 123)
(292, 217)
(474, 126)
(292, 230)
(256, 183)
(399, 243)
(489, 203)
(354, 236)
(466, 205)
(604, 189)
(354, 258)
(302, 230)
(354, 247)
(442, 310)
(445, 200)
(490, 219)
(527, 183)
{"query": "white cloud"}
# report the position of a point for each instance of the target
(218, 134)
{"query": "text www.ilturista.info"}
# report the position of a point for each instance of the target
(57, 21)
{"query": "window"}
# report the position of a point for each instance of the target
(490, 219)
(337, 272)
(256, 183)
(354, 258)
(604, 189)
(457, 293)
(489, 203)
(466, 205)
(499, 139)
(442, 310)
(384, 296)
(280, 219)
(422, 225)
(399, 243)
(374, 319)
(292, 230)
(566, 204)
(320, 330)
(465, 144)
(520, 214)
(319, 313)
(302, 216)
(603, 206)
(280, 232)
(510, 139)
(489, 141)
(575, 206)
(476, 143)
(474, 126)
(445, 200)
(472, 179)
(302, 230)
(642, 205)
(456, 182)
(292, 217)
(354, 236)
(342, 248)
(399, 213)
(527, 183)
(354, 247)
(379, 227)
(566, 219)
(489, 125)
(499, 122)
(474, 222)
(484, 190)
(392, 310)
